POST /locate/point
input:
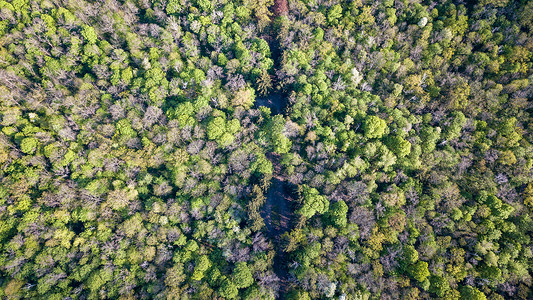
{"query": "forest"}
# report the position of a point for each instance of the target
(266, 149)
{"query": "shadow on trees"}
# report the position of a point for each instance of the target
(278, 215)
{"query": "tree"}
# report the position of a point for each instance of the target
(399, 146)
(298, 295)
(374, 127)
(439, 285)
(244, 97)
(89, 34)
(337, 213)
(262, 165)
(264, 83)
(528, 196)
(472, 293)
(309, 253)
(429, 136)
(29, 145)
(453, 131)
(509, 135)
(275, 132)
(242, 276)
(410, 255)
(216, 128)
(228, 289)
(202, 265)
(459, 94)
(13, 289)
(174, 276)
(334, 14)
(419, 270)
(313, 202)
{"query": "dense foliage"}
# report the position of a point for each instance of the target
(135, 160)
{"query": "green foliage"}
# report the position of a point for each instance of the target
(202, 264)
(429, 136)
(124, 128)
(280, 143)
(298, 295)
(228, 289)
(337, 213)
(262, 165)
(399, 146)
(334, 14)
(410, 254)
(216, 128)
(242, 276)
(374, 127)
(137, 162)
(221, 131)
(89, 34)
(29, 145)
(472, 293)
(419, 270)
(439, 285)
(453, 131)
(313, 202)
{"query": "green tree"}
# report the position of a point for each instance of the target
(313, 202)
(430, 136)
(202, 265)
(374, 127)
(399, 146)
(509, 135)
(419, 270)
(242, 276)
(334, 14)
(309, 253)
(453, 131)
(29, 145)
(528, 196)
(264, 82)
(298, 295)
(337, 213)
(472, 293)
(277, 139)
(174, 276)
(216, 128)
(439, 285)
(89, 34)
(410, 255)
(228, 289)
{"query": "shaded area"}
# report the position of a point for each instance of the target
(275, 101)
(277, 213)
